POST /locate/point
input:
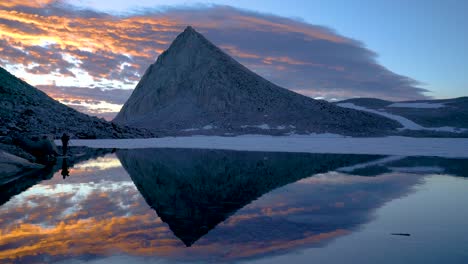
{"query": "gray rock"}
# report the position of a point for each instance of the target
(17, 151)
(12, 167)
(39, 146)
(194, 85)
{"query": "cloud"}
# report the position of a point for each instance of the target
(98, 101)
(114, 96)
(63, 41)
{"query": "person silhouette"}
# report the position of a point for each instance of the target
(65, 138)
(65, 172)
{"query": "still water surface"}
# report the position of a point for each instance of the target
(197, 206)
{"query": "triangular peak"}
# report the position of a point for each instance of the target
(189, 29)
(190, 35)
(194, 84)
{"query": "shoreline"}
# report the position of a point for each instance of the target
(393, 145)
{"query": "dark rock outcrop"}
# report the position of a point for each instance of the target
(13, 167)
(29, 111)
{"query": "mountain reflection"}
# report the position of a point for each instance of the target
(194, 190)
(415, 165)
(202, 205)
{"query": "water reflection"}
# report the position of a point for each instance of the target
(225, 205)
(194, 190)
(23, 183)
(415, 165)
(65, 168)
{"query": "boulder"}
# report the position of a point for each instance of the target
(13, 167)
(40, 147)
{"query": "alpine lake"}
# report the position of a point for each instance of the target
(218, 206)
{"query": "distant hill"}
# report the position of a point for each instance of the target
(29, 111)
(448, 114)
(196, 88)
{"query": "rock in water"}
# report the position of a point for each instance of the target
(29, 111)
(13, 167)
(194, 87)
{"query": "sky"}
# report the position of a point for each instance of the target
(90, 54)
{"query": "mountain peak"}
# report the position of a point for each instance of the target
(195, 85)
(189, 29)
(189, 52)
(188, 32)
(191, 36)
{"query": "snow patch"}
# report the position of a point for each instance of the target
(207, 127)
(405, 122)
(190, 129)
(264, 126)
(268, 127)
(418, 105)
(381, 161)
(326, 135)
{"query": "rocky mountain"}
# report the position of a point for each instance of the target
(196, 88)
(446, 117)
(193, 190)
(29, 111)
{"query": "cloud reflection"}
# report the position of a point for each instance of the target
(98, 212)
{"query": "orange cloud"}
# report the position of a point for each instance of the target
(267, 25)
(136, 36)
(123, 235)
(29, 3)
(89, 236)
(48, 41)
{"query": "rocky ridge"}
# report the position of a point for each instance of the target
(29, 111)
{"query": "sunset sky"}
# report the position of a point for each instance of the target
(91, 54)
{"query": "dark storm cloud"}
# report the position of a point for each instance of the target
(309, 59)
